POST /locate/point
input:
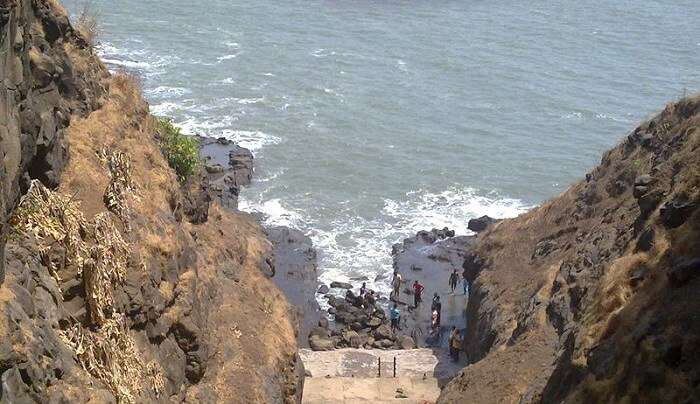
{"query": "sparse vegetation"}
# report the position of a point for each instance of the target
(87, 23)
(181, 151)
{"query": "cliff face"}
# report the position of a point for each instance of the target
(47, 78)
(592, 297)
(112, 291)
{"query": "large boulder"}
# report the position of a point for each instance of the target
(340, 285)
(481, 223)
(405, 342)
(383, 332)
(676, 212)
(321, 344)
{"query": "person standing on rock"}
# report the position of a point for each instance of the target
(363, 289)
(395, 316)
(453, 280)
(417, 293)
(396, 286)
(455, 344)
(370, 301)
(437, 307)
(465, 284)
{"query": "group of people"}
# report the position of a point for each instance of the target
(455, 340)
(367, 299)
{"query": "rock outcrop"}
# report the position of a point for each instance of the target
(47, 78)
(592, 297)
(121, 285)
(228, 167)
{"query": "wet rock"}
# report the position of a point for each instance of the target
(481, 223)
(294, 258)
(228, 166)
(340, 285)
(676, 212)
(323, 289)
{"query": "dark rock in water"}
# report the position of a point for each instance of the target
(481, 223)
(229, 167)
(341, 285)
(682, 273)
(323, 289)
(676, 212)
(295, 274)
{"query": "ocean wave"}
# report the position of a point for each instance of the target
(423, 210)
(252, 140)
(246, 101)
(354, 248)
(166, 91)
(274, 213)
(227, 57)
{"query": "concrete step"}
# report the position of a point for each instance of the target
(322, 390)
(363, 363)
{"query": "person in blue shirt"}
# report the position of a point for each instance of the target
(395, 316)
(465, 284)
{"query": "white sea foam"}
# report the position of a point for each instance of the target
(274, 212)
(353, 247)
(166, 91)
(227, 57)
(246, 101)
(253, 140)
(127, 63)
(165, 108)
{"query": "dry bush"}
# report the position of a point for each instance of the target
(87, 23)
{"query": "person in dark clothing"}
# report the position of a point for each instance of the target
(453, 280)
(363, 289)
(417, 293)
(370, 301)
(395, 316)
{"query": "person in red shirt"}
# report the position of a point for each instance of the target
(417, 293)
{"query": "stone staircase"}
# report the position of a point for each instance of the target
(353, 375)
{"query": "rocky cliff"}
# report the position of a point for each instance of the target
(592, 297)
(113, 290)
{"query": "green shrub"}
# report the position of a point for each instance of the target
(181, 151)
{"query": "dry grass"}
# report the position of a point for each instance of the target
(87, 23)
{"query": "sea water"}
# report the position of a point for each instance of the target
(371, 120)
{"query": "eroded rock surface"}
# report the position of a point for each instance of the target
(591, 297)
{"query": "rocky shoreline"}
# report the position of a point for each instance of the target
(292, 264)
(428, 257)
